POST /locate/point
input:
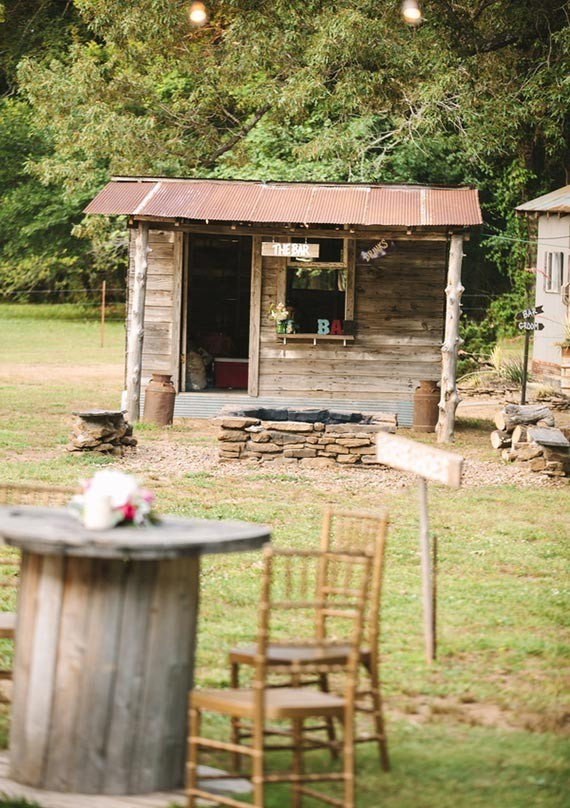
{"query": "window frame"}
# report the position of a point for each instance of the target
(348, 264)
(553, 263)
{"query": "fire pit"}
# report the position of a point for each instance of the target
(312, 438)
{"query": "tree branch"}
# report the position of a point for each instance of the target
(243, 132)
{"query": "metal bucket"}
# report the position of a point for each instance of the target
(159, 399)
(426, 411)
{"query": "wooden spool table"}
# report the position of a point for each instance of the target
(105, 639)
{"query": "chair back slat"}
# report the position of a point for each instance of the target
(354, 531)
(288, 578)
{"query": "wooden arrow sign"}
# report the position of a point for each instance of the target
(526, 314)
(525, 325)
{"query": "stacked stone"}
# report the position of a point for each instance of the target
(312, 445)
(104, 431)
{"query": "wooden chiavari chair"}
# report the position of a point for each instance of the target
(21, 494)
(348, 530)
(291, 608)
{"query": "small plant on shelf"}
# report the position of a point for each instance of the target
(279, 313)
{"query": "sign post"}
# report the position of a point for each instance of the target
(527, 324)
(429, 464)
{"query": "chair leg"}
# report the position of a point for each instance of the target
(324, 685)
(235, 733)
(194, 730)
(378, 716)
(348, 761)
(296, 795)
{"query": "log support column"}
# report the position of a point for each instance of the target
(136, 328)
(449, 398)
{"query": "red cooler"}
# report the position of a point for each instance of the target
(230, 373)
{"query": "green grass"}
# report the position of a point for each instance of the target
(484, 726)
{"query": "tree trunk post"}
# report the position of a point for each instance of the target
(449, 398)
(136, 331)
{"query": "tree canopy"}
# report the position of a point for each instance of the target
(269, 89)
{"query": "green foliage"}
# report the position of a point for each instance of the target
(307, 90)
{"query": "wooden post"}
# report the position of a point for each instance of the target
(525, 366)
(103, 295)
(136, 331)
(449, 398)
(255, 317)
(427, 580)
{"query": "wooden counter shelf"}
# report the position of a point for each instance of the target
(344, 338)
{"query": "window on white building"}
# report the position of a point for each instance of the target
(553, 271)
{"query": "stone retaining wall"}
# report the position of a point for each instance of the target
(312, 445)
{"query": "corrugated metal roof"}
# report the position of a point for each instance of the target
(295, 203)
(555, 202)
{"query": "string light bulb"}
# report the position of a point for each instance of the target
(198, 14)
(411, 12)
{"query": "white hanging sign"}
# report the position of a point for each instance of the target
(290, 249)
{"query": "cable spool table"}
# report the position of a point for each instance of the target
(105, 640)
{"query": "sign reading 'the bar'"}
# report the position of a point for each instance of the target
(289, 250)
(426, 461)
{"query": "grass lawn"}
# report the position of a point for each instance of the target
(487, 725)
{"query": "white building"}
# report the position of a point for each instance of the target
(552, 280)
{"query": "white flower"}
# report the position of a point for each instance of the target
(121, 487)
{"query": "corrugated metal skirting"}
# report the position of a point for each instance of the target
(208, 405)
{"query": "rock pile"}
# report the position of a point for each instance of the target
(527, 434)
(104, 431)
(311, 444)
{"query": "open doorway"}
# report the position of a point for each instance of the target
(217, 312)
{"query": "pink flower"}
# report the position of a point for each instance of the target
(147, 495)
(129, 511)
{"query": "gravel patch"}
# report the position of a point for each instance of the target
(164, 460)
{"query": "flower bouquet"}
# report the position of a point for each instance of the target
(113, 498)
(280, 314)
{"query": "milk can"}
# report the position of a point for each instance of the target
(159, 399)
(426, 412)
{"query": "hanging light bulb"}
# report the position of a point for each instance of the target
(411, 12)
(198, 13)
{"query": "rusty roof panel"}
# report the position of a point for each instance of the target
(394, 206)
(340, 204)
(284, 203)
(120, 198)
(296, 203)
(453, 206)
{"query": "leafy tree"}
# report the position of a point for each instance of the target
(314, 90)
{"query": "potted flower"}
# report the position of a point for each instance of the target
(112, 498)
(279, 313)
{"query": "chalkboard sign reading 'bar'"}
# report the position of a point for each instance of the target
(289, 250)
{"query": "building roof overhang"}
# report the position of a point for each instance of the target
(275, 203)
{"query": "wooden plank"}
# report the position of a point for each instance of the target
(96, 696)
(133, 631)
(33, 727)
(426, 234)
(349, 298)
(30, 571)
(176, 309)
(161, 723)
(426, 461)
(254, 318)
(61, 751)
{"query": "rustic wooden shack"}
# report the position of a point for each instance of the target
(363, 270)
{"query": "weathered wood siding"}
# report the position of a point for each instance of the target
(399, 314)
(161, 344)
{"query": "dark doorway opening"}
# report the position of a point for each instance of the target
(217, 332)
